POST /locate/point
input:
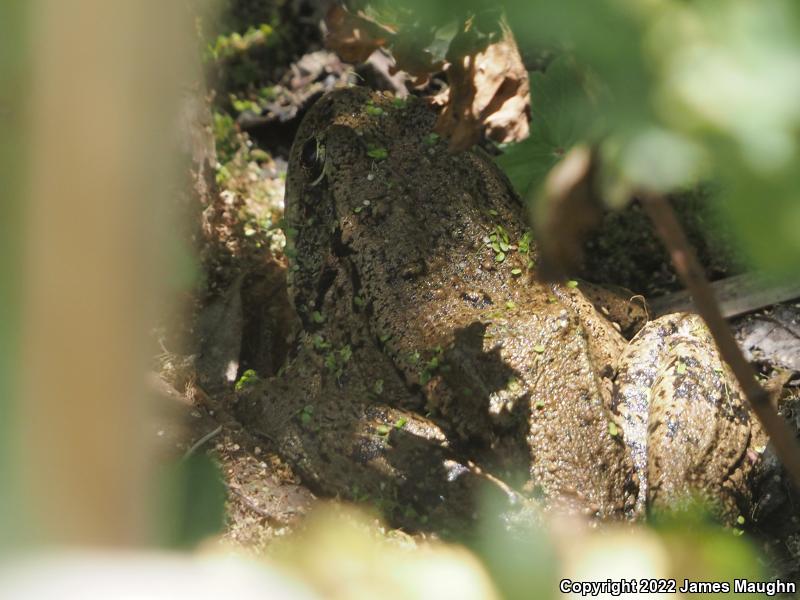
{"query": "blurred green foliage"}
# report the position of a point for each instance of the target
(228, 46)
(249, 47)
(225, 136)
(700, 550)
(245, 55)
(562, 116)
(694, 89)
(344, 553)
(520, 558)
(191, 502)
(679, 92)
(13, 69)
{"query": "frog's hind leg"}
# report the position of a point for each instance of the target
(686, 421)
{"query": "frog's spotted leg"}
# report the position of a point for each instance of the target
(684, 418)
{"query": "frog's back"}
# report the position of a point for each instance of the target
(436, 245)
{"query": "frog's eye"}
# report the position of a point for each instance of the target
(312, 157)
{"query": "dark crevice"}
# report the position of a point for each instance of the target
(326, 279)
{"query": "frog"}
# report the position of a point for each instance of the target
(434, 362)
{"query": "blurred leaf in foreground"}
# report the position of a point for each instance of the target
(567, 210)
(701, 550)
(730, 76)
(191, 502)
(13, 146)
(519, 555)
(343, 554)
(691, 91)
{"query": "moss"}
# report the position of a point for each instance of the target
(251, 46)
(247, 379)
(225, 137)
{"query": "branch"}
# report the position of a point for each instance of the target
(689, 269)
(735, 296)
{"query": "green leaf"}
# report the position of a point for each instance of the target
(524, 243)
(378, 153)
(320, 343)
(248, 378)
(192, 501)
(346, 353)
(561, 117)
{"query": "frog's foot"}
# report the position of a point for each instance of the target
(685, 420)
(343, 437)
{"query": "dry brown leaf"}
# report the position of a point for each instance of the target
(354, 37)
(567, 211)
(489, 91)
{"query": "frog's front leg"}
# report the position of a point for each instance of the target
(685, 420)
(338, 424)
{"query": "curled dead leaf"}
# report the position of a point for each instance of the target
(411, 56)
(489, 91)
(353, 36)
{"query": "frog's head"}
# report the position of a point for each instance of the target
(345, 147)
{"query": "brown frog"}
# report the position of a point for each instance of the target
(432, 359)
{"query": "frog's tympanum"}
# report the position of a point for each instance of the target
(432, 361)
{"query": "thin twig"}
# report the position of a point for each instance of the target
(510, 493)
(196, 446)
(688, 267)
(248, 503)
